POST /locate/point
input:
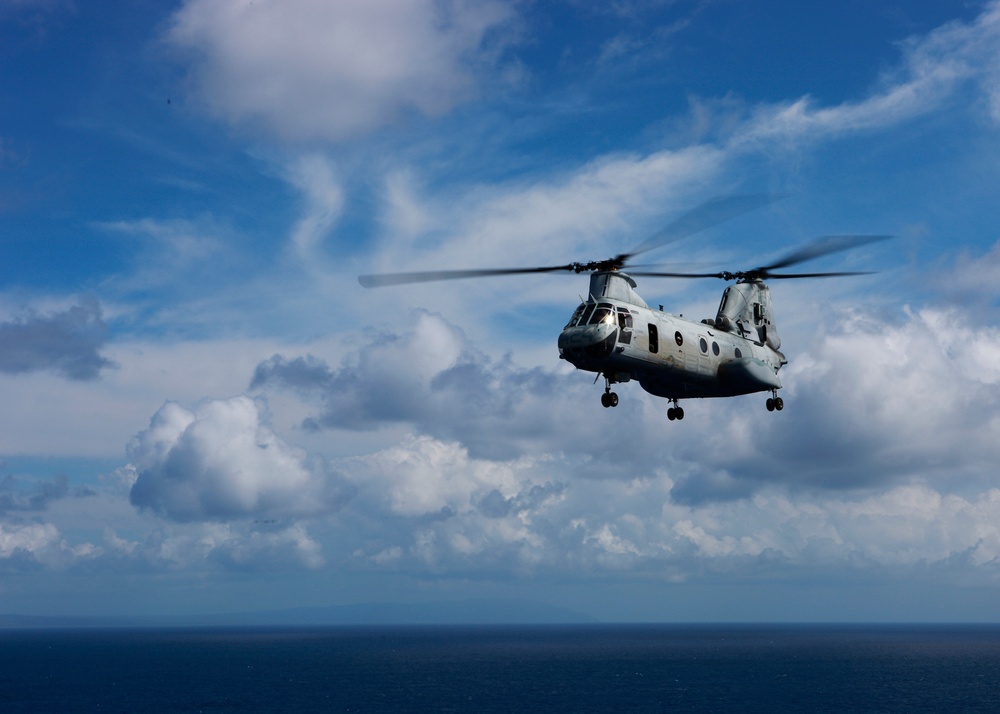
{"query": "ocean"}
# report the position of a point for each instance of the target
(591, 668)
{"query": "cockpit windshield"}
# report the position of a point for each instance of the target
(588, 313)
(575, 320)
(605, 312)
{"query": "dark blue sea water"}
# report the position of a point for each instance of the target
(614, 668)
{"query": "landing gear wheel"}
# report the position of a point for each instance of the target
(609, 399)
(779, 403)
(675, 413)
(770, 404)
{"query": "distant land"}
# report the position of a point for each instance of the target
(458, 612)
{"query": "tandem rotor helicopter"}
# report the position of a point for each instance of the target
(617, 335)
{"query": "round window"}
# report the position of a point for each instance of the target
(703, 344)
(715, 349)
(678, 338)
(739, 355)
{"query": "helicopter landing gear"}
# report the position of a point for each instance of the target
(775, 403)
(675, 412)
(609, 398)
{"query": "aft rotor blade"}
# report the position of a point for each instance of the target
(382, 280)
(822, 246)
(785, 276)
(711, 213)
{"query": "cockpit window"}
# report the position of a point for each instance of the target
(600, 315)
(575, 320)
(605, 312)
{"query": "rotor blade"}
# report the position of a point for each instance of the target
(820, 247)
(785, 276)
(711, 213)
(382, 280)
(660, 274)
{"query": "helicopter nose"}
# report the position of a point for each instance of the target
(587, 343)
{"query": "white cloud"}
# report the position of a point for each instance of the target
(26, 538)
(876, 401)
(422, 476)
(223, 462)
(310, 69)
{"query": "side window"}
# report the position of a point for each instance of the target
(739, 354)
(678, 338)
(715, 349)
(704, 345)
(625, 325)
(654, 339)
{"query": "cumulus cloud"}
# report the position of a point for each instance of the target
(432, 378)
(221, 462)
(308, 69)
(21, 544)
(68, 343)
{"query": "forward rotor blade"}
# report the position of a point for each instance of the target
(382, 280)
(820, 247)
(661, 274)
(711, 213)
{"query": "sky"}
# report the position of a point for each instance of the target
(203, 411)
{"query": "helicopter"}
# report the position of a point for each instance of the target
(615, 334)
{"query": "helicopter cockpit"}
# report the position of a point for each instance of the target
(593, 330)
(592, 313)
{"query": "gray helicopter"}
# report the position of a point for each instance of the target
(615, 334)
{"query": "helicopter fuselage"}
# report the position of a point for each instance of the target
(616, 334)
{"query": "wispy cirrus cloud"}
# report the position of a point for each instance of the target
(933, 71)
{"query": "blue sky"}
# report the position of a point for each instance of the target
(204, 412)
